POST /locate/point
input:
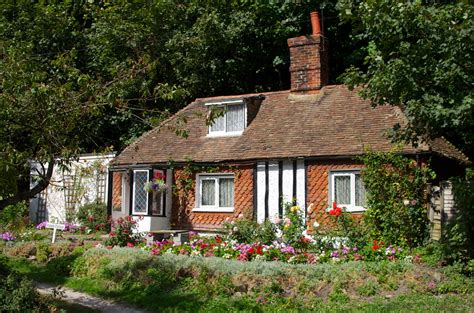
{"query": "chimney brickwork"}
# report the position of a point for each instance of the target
(309, 61)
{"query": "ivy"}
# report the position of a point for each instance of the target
(396, 198)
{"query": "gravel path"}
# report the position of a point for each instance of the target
(84, 299)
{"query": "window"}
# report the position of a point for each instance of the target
(158, 197)
(232, 121)
(140, 195)
(347, 190)
(215, 193)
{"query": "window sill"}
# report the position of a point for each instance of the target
(224, 134)
(354, 209)
(214, 209)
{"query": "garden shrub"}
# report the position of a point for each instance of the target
(292, 226)
(395, 200)
(93, 216)
(248, 231)
(18, 294)
(458, 240)
(13, 218)
(124, 233)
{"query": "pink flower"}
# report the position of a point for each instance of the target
(130, 245)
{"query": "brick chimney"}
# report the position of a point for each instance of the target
(309, 59)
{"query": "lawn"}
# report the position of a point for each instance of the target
(170, 283)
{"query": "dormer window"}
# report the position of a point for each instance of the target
(232, 121)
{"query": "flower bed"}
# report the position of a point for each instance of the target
(276, 251)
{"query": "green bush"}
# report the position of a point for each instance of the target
(14, 218)
(458, 240)
(396, 210)
(93, 216)
(247, 231)
(292, 225)
(124, 233)
(18, 294)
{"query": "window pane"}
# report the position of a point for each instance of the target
(342, 189)
(359, 191)
(226, 192)
(235, 117)
(141, 196)
(208, 192)
(219, 124)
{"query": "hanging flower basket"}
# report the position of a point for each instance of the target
(157, 184)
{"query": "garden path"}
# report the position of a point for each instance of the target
(84, 299)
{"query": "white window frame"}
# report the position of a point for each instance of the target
(211, 208)
(224, 105)
(350, 207)
(134, 191)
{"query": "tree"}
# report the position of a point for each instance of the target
(85, 75)
(419, 56)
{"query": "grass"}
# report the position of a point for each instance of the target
(171, 283)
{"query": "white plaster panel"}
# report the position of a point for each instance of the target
(300, 184)
(273, 192)
(287, 181)
(260, 192)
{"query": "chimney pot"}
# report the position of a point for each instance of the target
(315, 23)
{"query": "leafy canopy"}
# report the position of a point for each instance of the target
(418, 55)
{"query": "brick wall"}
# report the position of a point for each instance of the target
(184, 202)
(117, 191)
(318, 188)
(308, 62)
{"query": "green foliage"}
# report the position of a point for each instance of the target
(404, 43)
(12, 218)
(292, 226)
(93, 216)
(247, 231)
(17, 293)
(396, 210)
(124, 233)
(458, 239)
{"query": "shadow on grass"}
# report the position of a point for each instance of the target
(55, 271)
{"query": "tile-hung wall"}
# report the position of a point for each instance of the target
(279, 182)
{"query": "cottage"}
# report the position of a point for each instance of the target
(261, 150)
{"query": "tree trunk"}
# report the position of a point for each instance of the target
(26, 195)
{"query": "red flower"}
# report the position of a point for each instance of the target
(109, 247)
(218, 239)
(204, 245)
(336, 211)
(382, 243)
(112, 234)
(251, 251)
(259, 250)
(375, 247)
(159, 175)
(374, 242)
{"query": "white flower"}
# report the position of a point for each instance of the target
(315, 225)
(259, 257)
(235, 229)
(227, 256)
(310, 207)
(194, 253)
(241, 216)
(406, 202)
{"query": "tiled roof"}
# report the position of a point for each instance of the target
(334, 122)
